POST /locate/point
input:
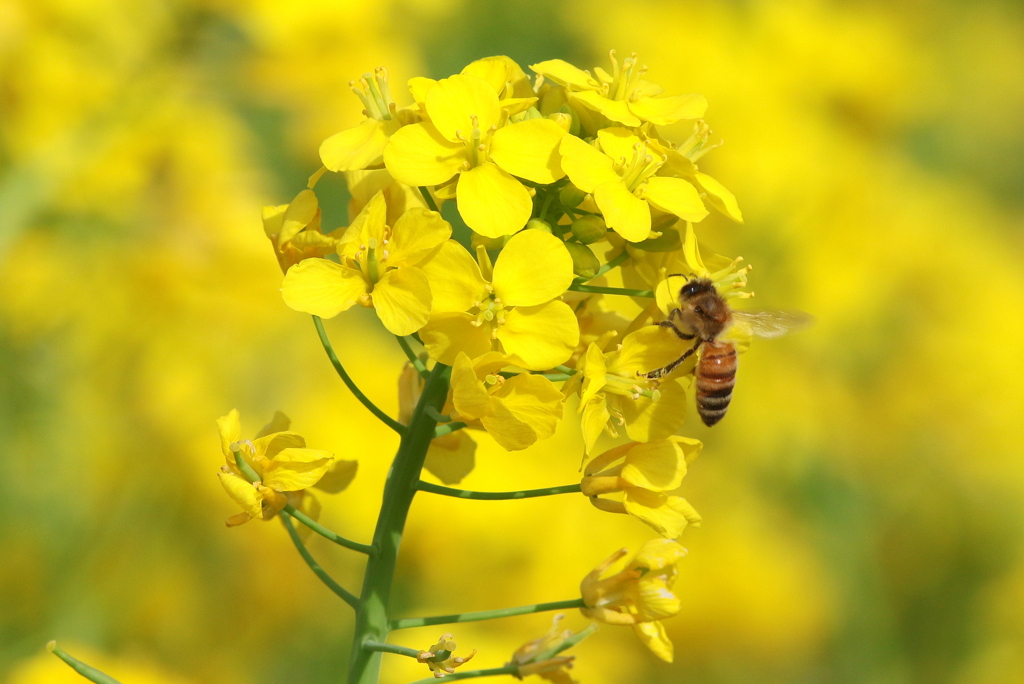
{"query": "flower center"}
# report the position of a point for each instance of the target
(623, 76)
(477, 143)
(373, 257)
(489, 311)
(375, 93)
(642, 166)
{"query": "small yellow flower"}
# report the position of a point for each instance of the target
(294, 230)
(640, 595)
(516, 411)
(648, 475)
(614, 395)
(378, 268)
(469, 135)
(364, 185)
(450, 457)
(284, 465)
(622, 96)
(540, 656)
(362, 146)
(513, 303)
(622, 174)
(440, 657)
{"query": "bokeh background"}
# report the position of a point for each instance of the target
(863, 502)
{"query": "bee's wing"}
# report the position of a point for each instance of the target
(773, 323)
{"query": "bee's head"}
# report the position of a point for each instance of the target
(695, 287)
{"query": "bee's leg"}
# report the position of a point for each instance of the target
(667, 323)
(662, 372)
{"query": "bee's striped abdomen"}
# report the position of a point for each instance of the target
(716, 376)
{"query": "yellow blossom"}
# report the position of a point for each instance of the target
(294, 230)
(285, 468)
(513, 303)
(378, 268)
(362, 146)
(540, 656)
(621, 171)
(639, 595)
(450, 457)
(440, 657)
(364, 185)
(613, 394)
(469, 135)
(516, 411)
(649, 476)
(623, 96)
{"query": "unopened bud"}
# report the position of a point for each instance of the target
(584, 262)
(540, 224)
(570, 196)
(589, 229)
(562, 119)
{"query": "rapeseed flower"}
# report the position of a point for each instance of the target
(514, 302)
(649, 476)
(294, 230)
(540, 656)
(640, 595)
(469, 135)
(516, 411)
(284, 465)
(440, 657)
(378, 269)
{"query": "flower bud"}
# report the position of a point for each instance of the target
(490, 244)
(584, 262)
(589, 229)
(562, 119)
(540, 224)
(571, 196)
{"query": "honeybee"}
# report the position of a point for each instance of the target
(703, 314)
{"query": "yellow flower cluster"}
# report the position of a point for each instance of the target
(566, 185)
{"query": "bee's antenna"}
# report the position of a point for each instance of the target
(673, 275)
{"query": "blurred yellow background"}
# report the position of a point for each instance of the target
(863, 503)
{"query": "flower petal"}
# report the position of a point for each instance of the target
(663, 111)
(455, 280)
(321, 287)
(503, 74)
(418, 155)
(534, 267)
(563, 73)
(617, 142)
(595, 372)
(447, 334)
(540, 336)
(279, 423)
(338, 476)
(230, 429)
(720, 197)
(452, 457)
(676, 196)
(295, 469)
(468, 394)
(648, 348)
(452, 101)
(616, 110)
(665, 514)
(648, 420)
(595, 418)
(586, 166)
(534, 400)
(492, 202)
(529, 149)
(626, 214)
(654, 637)
(369, 225)
(507, 430)
(268, 446)
(299, 214)
(416, 233)
(658, 466)
(355, 148)
(243, 493)
(402, 300)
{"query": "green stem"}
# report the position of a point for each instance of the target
(557, 377)
(437, 415)
(615, 262)
(390, 648)
(495, 496)
(406, 623)
(411, 355)
(429, 200)
(87, 671)
(385, 418)
(345, 595)
(372, 615)
(578, 286)
(443, 430)
(566, 370)
(473, 674)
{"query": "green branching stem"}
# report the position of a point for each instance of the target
(87, 671)
(252, 476)
(443, 430)
(428, 198)
(618, 260)
(406, 623)
(364, 400)
(416, 361)
(390, 648)
(496, 496)
(473, 674)
(345, 595)
(578, 286)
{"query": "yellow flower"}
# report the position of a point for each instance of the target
(622, 96)
(284, 465)
(294, 230)
(440, 658)
(648, 475)
(680, 160)
(640, 595)
(378, 268)
(540, 656)
(364, 186)
(450, 457)
(516, 411)
(362, 146)
(514, 302)
(622, 175)
(469, 135)
(614, 394)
